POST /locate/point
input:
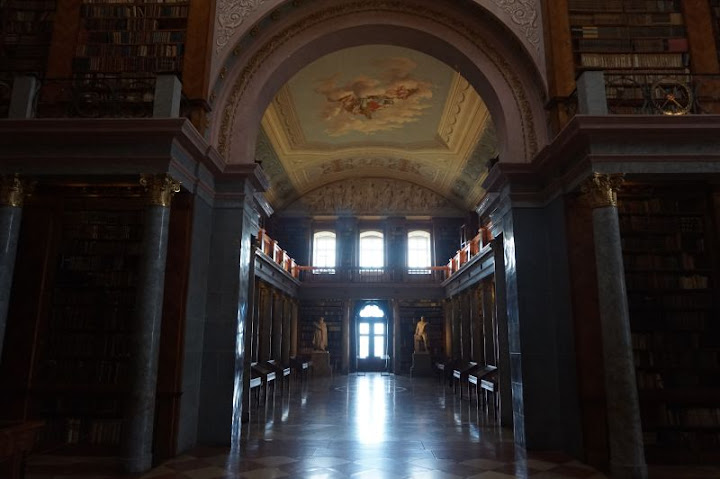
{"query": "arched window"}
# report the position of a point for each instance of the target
(372, 249)
(419, 252)
(324, 252)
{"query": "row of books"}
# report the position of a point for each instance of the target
(625, 5)
(661, 205)
(119, 64)
(142, 36)
(153, 50)
(636, 280)
(690, 300)
(100, 319)
(676, 262)
(144, 10)
(669, 342)
(625, 18)
(670, 321)
(633, 60)
(97, 263)
(98, 372)
(627, 45)
(76, 430)
(104, 232)
(107, 298)
(671, 243)
(649, 359)
(80, 247)
(694, 417)
(30, 4)
(99, 25)
(627, 32)
(89, 345)
(676, 380)
(697, 440)
(660, 224)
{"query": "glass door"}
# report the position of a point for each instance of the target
(372, 339)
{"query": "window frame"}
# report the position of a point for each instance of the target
(373, 233)
(324, 268)
(419, 269)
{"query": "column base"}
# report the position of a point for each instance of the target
(321, 363)
(628, 471)
(138, 464)
(421, 365)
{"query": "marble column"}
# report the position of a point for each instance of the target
(627, 458)
(395, 305)
(249, 334)
(456, 335)
(145, 342)
(347, 311)
(477, 349)
(12, 193)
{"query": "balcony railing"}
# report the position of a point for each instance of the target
(662, 93)
(433, 274)
(468, 251)
(97, 96)
(272, 250)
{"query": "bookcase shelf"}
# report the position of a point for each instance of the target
(82, 375)
(131, 36)
(668, 246)
(628, 35)
(26, 32)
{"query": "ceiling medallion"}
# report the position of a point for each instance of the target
(259, 57)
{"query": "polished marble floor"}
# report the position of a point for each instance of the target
(363, 427)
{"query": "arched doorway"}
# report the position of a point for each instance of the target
(372, 337)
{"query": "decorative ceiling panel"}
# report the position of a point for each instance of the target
(377, 111)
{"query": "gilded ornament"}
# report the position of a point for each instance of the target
(13, 191)
(160, 188)
(600, 190)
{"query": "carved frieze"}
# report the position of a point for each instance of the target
(524, 14)
(372, 196)
(230, 15)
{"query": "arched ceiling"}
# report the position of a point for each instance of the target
(376, 120)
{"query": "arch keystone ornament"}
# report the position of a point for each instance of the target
(600, 190)
(160, 188)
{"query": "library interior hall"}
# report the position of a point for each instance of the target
(359, 239)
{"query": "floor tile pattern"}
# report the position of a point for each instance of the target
(373, 426)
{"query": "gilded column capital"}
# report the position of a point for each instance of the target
(600, 190)
(13, 190)
(160, 188)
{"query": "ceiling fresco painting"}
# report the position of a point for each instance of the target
(376, 111)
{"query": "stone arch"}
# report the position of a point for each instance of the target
(486, 53)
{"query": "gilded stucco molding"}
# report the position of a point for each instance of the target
(327, 15)
(524, 14)
(160, 189)
(230, 15)
(600, 190)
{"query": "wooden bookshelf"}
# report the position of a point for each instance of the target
(83, 369)
(309, 313)
(715, 5)
(669, 245)
(410, 312)
(25, 34)
(628, 35)
(134, 36)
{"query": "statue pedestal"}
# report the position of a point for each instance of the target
(421, 365)
(321, 363)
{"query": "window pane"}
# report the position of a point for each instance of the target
(372, 249)
(364, 328)
(419, 252)
(379, 328)
(364, 347)
(379, 350)
(324, 251)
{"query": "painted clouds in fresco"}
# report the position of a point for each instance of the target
(388, 101)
